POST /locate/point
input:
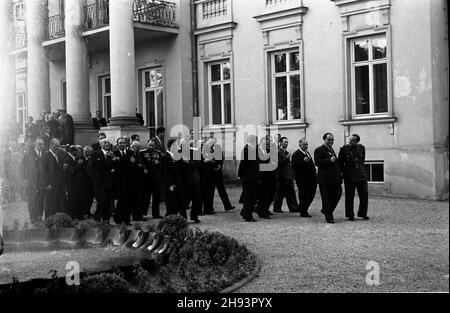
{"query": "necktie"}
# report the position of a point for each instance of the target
(307, 154)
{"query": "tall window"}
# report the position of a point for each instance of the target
(19, 11)
(64, 94)
(105, 96)
(286, 85)
(21, 111)
(153, 97)
(220, 93)
(369, 76)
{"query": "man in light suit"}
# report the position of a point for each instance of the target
(305, 176)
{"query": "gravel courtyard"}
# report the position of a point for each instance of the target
(408, 238)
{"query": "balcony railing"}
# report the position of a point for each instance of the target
(20, 38)
(56, 27)
(97, 15)
(273, 2)
(214, 8)
(154, 12)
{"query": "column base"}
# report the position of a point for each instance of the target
(114, 132)
(124, 121)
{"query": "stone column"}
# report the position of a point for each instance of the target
(38, 82)
(7, 69)
(77, 64)
(122, 59)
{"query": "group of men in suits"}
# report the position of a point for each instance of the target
(268, 172)
(51, 125)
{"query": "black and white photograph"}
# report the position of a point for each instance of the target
(224, 152)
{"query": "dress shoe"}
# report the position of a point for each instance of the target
(351, 219)
(294, 211)
(364, 217)
(209, 213)
(230, 209)
(330, 221)
(305, 215)
(250, 219)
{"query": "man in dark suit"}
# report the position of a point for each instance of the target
(305, 176)
(150, 189)
(249, 174)
(99, 121)
(328, 177)
(102, 167)
(53, 124)
(86, 181)
(190, 163)
(268, 157)
(66, 127)
(46, 136)
(31, 129)
(55, 197)
(285, 180)
(122, 192)
(172, 181)
(33, 174)
(135, 179)
(96, 146)
(351, 160)
(140, 118)
(41, 121)
(159, 139)
(72, 171)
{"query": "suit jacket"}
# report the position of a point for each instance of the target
(351, 161)
(285, 171)
(159, 145)
(102, 177)
(73, 175)
(54, 172)
(32, 130)
(151, 159)
(96, 146)
(98, 123)
(189, 169)
(329, 172)
(171, 172)
(304, 172)
(249, 166)
(33, 170)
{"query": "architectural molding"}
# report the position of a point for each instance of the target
(229, 26)
(277, 15)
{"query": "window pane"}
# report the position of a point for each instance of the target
(367, 168)
(377, 172)
(158, 81)
(361, 50)
(150, 106)
(379, 48)
(380, 86)
(147, 79)
(281, 98)
(21, 121)
(216, 97)
(107, 107)
(226, 71)
(215, 72)
(295, 98)
(294, 61)
(362, 90)
(280, 63)
(159, 99)
(227, 102)
(107, 85)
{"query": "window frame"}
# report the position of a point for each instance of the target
(221, 83)
(144, 90)
(350, 88)
(102, 94)
(64, 94)
(369, 176)
(22, 110)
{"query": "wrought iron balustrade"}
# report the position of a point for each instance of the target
(214, 8)
(56, 27)
(273, 2)
(20, 37)
(97, 15)
(154, 12)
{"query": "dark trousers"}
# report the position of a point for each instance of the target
(155, 195)
(175, 203)
(192, 194)
(104, 206)
(55, 202)
(221, 190)
(35, 204)
(331, 194)
(363, 195)
(74, 203)
(285, 189)
(207, 194)
(306, 194)
(250, 198)
(267, 190)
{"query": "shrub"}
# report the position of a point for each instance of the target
(103, 283)
(59, 220)
(174, 226)
(87, 224)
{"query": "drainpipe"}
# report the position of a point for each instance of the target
(194, 57)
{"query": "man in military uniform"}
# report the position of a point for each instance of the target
(351, 160)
